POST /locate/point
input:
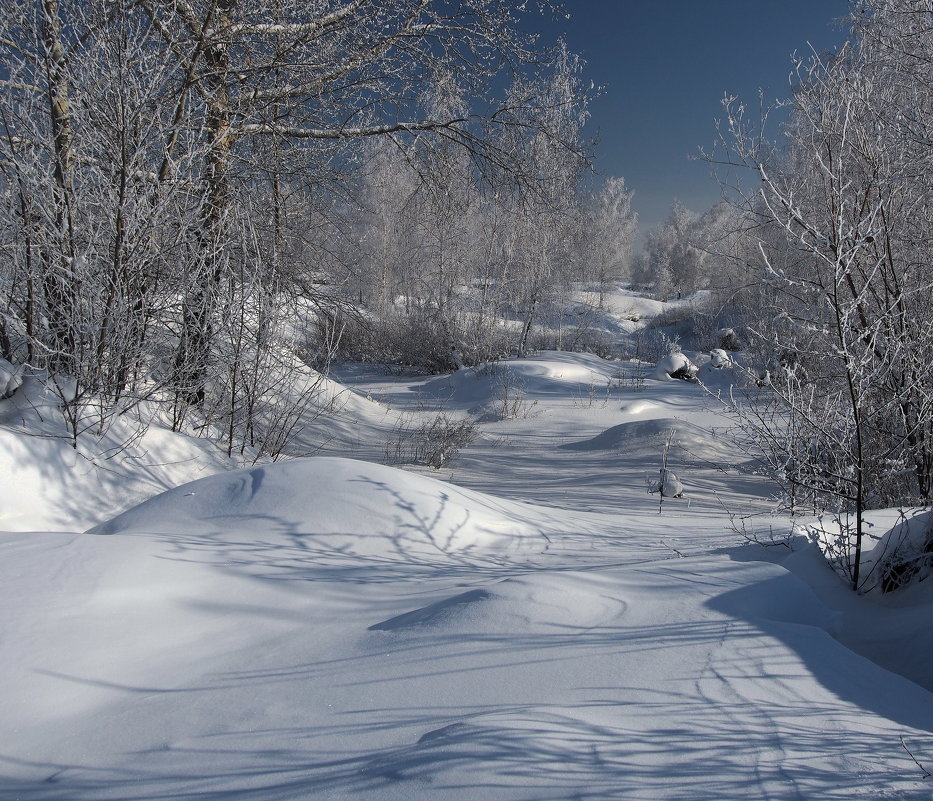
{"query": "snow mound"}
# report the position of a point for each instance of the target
(903, 553)
(638, 407)
(635, 310)
(546, 603)
(11, 378)
(781, 598)
(647, 437)
(547, 373)
(435, 614)
(333, 508)
(52, 486)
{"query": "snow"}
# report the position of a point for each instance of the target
(673, 363)
(11, 378)
(669, 485)
(49, 485)
(719, 358)
(336, 509)
(523, 624)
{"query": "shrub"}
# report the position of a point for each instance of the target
(432, 443)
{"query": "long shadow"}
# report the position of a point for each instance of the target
(656, 750)
(712, 739)
(601, 747)
(841, 671)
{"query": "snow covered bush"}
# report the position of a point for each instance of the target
(668, 485)
(728, 339)
(417, 340)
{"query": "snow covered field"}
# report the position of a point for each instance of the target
(526, 623)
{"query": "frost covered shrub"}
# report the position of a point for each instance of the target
(582, 340)
(511, 402)
(419, 340)
(415, 340)
(705, 330)
(698, 327)
(432, 443)
(489, 343)
(651, 346)
(596, 342)
(673, 315)
(728, 339)
(329, 337)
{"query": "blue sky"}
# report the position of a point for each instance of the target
(666, 65)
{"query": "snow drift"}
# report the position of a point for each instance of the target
(335, 508)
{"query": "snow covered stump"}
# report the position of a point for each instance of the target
(719, 359)
(11, 378)
(668, 485)
(675, 365)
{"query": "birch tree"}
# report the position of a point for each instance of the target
(90, 227)
(608, 235)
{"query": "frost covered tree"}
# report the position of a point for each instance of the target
(446, 198)
(316, 75)
(675, 260)
(850, 282)
(384, 222)
(545, 214)
(607, 235)
(91, 229)
(136, 137)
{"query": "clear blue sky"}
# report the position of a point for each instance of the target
(665, 66)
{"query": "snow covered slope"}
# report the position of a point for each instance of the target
(48, 484)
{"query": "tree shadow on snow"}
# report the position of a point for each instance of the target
(787, 610)
(602, 746)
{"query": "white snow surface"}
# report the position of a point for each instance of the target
(47, 484)
(524, 625)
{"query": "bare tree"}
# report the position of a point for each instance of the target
(90, 225)
(327, 72)
(135, 136)
(850, 280)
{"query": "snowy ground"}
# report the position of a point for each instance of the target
(522, 624)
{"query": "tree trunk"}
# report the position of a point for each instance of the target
(59, 281)
(192, 357)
